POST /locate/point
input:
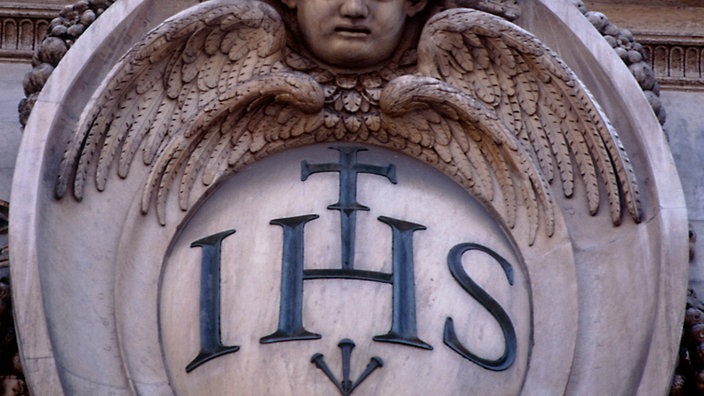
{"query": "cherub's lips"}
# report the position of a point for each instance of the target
(353, 31)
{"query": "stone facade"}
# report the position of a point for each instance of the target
(675, 58)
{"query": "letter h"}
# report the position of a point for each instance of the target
(403, 327)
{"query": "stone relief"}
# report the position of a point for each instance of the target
(420, 99)
(50, 39)
(226, 83)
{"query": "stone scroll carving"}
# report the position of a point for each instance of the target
(228, 82)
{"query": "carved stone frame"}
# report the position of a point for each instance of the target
(581, 345)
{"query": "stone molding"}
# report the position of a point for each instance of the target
(671, 34)
(22, 28)
(678, 62)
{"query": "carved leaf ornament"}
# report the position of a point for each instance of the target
(219, 86)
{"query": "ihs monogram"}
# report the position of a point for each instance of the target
(403, 328)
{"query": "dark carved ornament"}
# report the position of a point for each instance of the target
(689, 374)
(346, 386)
(11, 375)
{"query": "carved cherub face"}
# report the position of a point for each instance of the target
(353, 33)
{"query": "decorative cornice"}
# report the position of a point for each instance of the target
(678, 63)
(672, 36)
(22, 28)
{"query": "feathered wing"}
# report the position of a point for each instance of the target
(189, 97)
(537, 97)
(466, 139)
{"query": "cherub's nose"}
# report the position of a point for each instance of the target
(354, 8)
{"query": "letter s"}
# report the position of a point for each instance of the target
(454, 261)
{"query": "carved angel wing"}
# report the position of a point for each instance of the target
(466, 138)
(191, 96)
(535, 95)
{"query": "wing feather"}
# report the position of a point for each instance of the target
(510, 114)
(539, 140)
(142, 124)
(504, 180)
(174, 82)
(197, 160)
(479, 161)
(218, 157)
(114, 136)
(560, 151)
(527, 92)
(208, 81)
(165, 121)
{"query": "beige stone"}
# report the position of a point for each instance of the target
(599, 273)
